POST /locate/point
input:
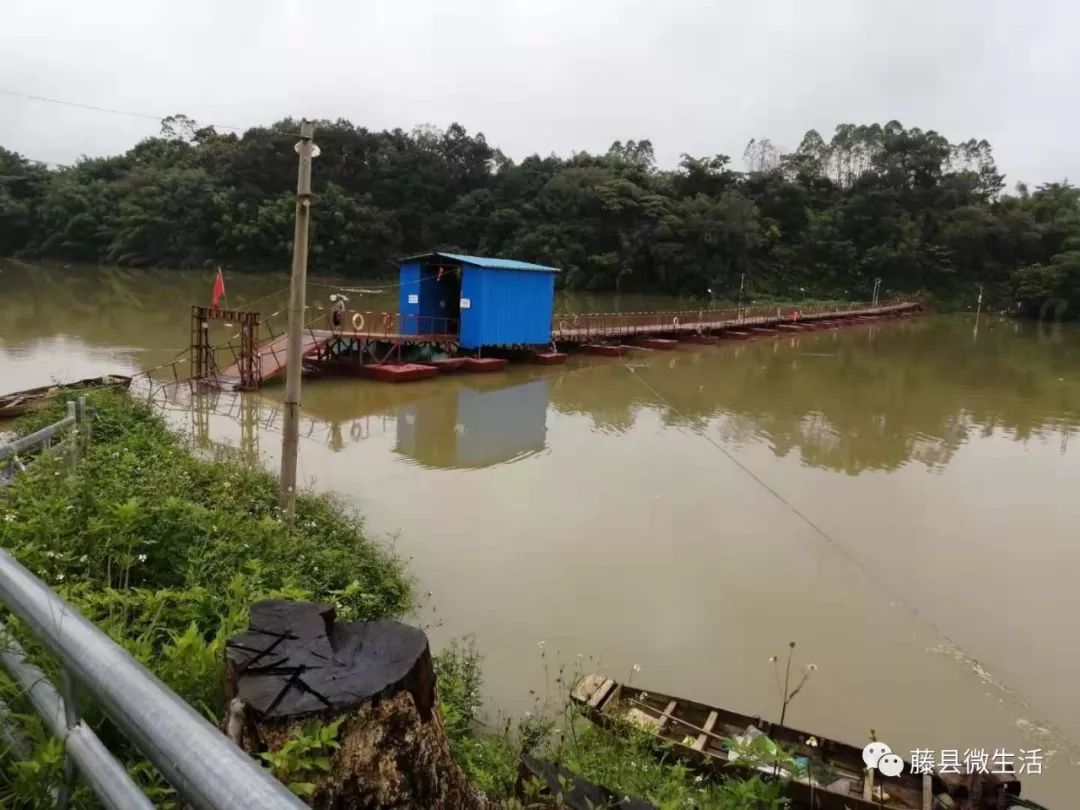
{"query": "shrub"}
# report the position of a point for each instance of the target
(165, 551)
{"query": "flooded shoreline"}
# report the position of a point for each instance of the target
(896, 498)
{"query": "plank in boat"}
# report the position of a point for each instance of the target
(21, 402)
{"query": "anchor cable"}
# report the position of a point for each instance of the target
(880, 582)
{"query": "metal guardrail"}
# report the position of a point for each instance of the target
(205, 768)
(41, 437)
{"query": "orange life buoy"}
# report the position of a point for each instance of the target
(357, 321)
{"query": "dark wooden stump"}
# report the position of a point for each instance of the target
(296, 664)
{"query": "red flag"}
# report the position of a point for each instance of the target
(219, 289)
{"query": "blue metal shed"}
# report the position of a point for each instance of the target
(485, 301)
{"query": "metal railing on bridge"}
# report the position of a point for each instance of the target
(205, 768)
(576, 327)
(396, 325)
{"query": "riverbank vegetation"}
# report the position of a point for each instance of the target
(628, 762)
(165, 552)
(827, 218)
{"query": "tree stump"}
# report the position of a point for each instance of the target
(296, 664)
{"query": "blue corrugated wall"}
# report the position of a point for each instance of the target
(409, 279)
(506, 307)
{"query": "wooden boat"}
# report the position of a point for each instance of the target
(831, 775)
(25, 401)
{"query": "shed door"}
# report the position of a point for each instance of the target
(439, 301)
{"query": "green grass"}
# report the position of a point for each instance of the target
(627, 762)
(165, 551)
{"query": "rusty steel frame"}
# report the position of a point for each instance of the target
(204, 355)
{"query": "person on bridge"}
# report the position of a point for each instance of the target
(337, 310)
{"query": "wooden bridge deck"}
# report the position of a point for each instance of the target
(271, 355)
(270, 358)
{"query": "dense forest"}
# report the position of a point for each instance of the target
(877, 201)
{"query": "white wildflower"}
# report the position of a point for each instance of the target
(142, 558)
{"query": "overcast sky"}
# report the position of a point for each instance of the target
(554, 75)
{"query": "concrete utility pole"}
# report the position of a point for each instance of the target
(290, 443)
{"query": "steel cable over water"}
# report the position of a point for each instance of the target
(853, 558)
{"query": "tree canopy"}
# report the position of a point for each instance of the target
(873, 201)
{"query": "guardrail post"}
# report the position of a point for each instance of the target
(72, 716)
(72, 450)
(80, 417)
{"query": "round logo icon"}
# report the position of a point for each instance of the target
(873, 752)
(890, 765)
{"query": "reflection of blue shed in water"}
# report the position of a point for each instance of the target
(471, 428)
(487, 302)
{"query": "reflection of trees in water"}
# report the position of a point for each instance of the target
(857, 399)
(850, 400)
(609, 396)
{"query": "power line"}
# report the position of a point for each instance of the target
(95, 108)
